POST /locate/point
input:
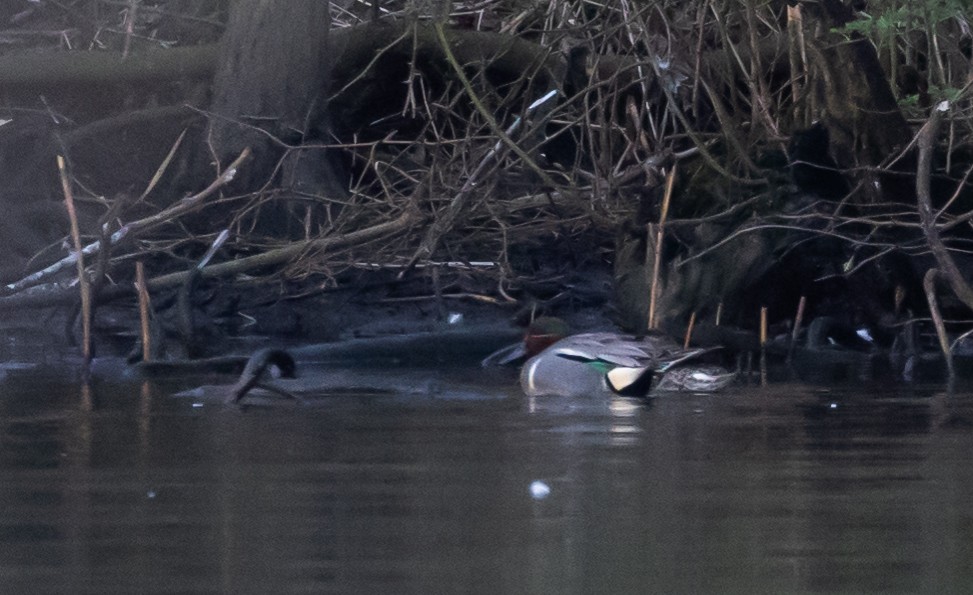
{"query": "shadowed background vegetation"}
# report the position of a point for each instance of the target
(501, 151)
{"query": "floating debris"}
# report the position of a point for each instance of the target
(539, 490)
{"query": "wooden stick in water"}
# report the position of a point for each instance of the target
(83, 284)
(689, 330)
(763, 326)
(763, 343)
(144, 305)
(798, 319)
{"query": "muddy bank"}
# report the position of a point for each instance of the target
(372, 317)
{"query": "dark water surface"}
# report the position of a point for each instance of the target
(119, 487)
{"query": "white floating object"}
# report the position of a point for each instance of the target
(539, 490)
(455, 318)
(833, 405)
(197, 405)
(150, 494)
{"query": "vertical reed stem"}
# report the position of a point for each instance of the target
(657, 264)
(795, 51)
(763, 343)
(83, 283)
(799, 317)
(763, 326)
(144, 305)
(689, 330)
(798, 320)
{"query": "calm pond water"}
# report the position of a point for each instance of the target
(466, 486)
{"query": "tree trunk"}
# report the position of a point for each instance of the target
(858, 106)
(271, 77)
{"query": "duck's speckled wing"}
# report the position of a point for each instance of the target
(623, 350)
(695, 378)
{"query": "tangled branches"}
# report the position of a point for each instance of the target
(534, 141)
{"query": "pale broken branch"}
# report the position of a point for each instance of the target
(184, 206)
(52, 296)
(946, 264)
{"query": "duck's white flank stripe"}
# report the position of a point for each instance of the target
(572, 352)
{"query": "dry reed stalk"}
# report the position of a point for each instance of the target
(763, 326)
(798, 319)
(689, 330)
(144, 305)
(657, 263)
(130, 13)
(83, 284)
(719, 313)
(162, 166)
(796, 54)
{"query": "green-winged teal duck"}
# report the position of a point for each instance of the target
(593, 362)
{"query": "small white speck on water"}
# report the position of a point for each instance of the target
(539, 490)
(150, 494)
(833, 405)
(197, 405)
